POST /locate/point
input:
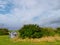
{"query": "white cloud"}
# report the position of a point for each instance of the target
(25, 12)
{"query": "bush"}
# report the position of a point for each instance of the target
(30, 31)
(48, 32)
(58, 30)
(34, 31)
(4, 31)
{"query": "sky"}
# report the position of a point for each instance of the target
(15, 13)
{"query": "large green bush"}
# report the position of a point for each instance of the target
(30, 31)
(34, 31)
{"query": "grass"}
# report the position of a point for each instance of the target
(5, 40)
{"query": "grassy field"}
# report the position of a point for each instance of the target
(5, 40)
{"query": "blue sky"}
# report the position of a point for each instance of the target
(16, 13)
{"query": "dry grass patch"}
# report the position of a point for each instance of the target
(43, 39)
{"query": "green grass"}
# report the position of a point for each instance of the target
(5, 40)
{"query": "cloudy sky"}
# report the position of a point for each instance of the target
(15, 13)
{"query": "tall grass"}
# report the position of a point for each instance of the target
(43, 39)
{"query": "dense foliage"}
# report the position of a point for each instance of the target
(34, 31)
(4, 31)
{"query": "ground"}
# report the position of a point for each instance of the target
(5, 40)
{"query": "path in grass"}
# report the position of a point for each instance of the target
(5, 40)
